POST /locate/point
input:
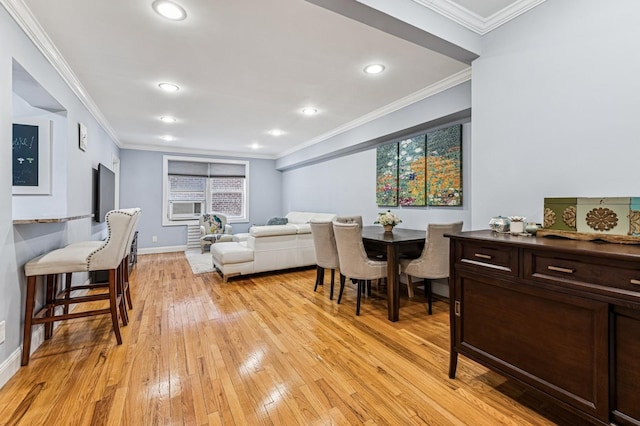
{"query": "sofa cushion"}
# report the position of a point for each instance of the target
(306, 217)
(231, 252)
(266, 231)
(303, 228)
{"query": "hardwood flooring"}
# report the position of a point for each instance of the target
(264, 350)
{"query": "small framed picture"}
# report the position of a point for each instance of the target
(82, 136)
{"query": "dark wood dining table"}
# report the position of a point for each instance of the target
(395, 243)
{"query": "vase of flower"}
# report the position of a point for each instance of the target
(388, 220)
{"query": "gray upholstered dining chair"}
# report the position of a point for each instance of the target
(433, 263)
(350, 219)
(326, 252)
(354, 262)
(78, 257)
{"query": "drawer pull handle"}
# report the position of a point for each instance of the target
(483, 256)
(457, 308)
(559, 269)
(636, 282)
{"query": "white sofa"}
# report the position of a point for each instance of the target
(270, 247)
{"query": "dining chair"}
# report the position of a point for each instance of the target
(350, 219)
(354, 262)
(326, 252)
(78, 258)
(433, 263)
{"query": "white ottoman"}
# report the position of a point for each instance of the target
(232, 258)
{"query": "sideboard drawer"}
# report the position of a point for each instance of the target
(582, 272)
(498, 258)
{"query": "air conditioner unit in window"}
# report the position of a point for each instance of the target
(185, 210)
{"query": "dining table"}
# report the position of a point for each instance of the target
(395, 243)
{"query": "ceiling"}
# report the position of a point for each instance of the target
(243, 67)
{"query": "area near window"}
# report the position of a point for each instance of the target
(193, 186)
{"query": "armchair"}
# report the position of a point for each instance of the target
(214, 227)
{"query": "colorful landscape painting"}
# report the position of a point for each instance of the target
(412, 171)
(444, 167)
(424, 170)
(387, 175)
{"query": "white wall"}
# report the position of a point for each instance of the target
(556, 101)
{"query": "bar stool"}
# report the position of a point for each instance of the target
(78, 258)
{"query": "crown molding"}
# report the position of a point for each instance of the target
(440, 86)
(475, 22)
(22, 15)
(197, 151)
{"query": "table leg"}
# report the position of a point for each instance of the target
(393, 284)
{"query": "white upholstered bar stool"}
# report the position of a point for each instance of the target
(433, 263)
(326, 253)
(354, 262)
(123, 270)
(78, 258)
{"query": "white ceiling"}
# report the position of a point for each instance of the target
(244, 67)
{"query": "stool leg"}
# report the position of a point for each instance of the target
(120, 290)
(67, 291)
(28, 317)
(127, 287)
(113, 303)
(50, 290)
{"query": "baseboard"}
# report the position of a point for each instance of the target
(166, 249)
(10, 366)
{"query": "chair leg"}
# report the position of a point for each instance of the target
(369, 288)
(28, 317)
(359, 299)
(333, 275)
(315, 287)
(410, 286)
(342, 281)
(427, 288)
(113, 304)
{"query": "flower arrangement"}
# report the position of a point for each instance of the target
(388, 218)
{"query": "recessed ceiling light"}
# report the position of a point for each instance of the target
(309, 111)
(255, 145)
(167, 138)
(374, 69)
(168, 87)
(167, 119)
(169, 10)
(276, 132)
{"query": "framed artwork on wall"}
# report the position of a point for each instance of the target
(423, 170)
(82, 137)
(31, 152)
(412, 171)
(387, 175)
(444, 167)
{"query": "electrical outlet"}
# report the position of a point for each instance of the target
(2, 331)
(154, 239)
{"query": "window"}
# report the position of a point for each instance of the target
(193, 186)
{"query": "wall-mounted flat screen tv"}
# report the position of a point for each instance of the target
(105, 193)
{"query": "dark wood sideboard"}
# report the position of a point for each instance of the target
(560, 316)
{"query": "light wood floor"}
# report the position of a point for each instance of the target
(261, 350)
